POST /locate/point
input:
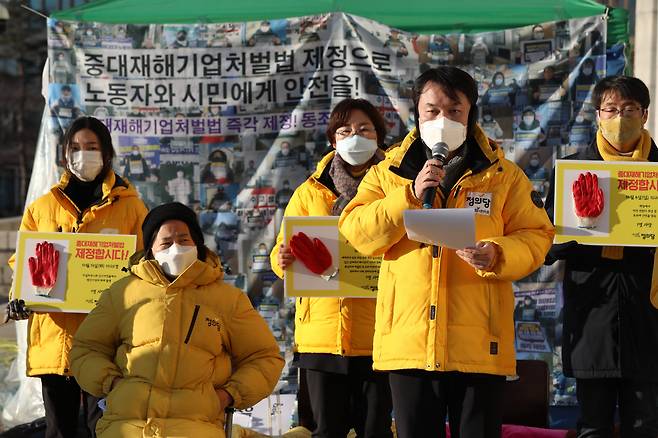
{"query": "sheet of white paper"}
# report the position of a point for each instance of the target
(451, 227)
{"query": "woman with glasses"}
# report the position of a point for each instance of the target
(333, 336)
(610, 334)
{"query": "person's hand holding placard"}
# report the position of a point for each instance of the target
(43, 268)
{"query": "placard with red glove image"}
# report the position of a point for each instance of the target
(611, 203)
(66, 272)
(325, 264)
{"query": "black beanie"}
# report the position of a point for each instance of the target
(172, 211)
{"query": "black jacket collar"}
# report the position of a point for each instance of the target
(415, 157)
(325, 178)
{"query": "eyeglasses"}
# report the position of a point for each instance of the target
(363, 131)
(627, 111)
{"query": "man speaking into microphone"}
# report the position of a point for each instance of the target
(444, 324)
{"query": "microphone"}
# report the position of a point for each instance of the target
(439, 152)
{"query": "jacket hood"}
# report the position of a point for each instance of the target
(112, 184)
(112, 189)
(321, 174)
(323, 164)
(199, 273)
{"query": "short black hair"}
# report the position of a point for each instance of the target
(450, 79)
(101, 131)
(65, 88)
(627, 87)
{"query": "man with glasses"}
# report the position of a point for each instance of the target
(610, 338)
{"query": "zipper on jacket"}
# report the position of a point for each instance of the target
(432, 312)
(101, 202)
(98, 204)
(194, 316)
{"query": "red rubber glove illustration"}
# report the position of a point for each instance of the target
(587, 199)
(43, 268)
(314, 254)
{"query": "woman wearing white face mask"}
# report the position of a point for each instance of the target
(333, 336)
(90, 198)
(171, 345)
(445, 327)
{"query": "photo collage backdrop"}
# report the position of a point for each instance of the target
(230, 118)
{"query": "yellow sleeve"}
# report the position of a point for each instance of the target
(296, 207)
(94, 347)
(373, 221)
(528, 234)
(255, 356)
(27, 224)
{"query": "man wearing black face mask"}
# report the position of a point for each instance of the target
(181, 39)
(610, 334)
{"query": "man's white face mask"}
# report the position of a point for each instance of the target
(356, 150)
(176, 259)
(86, 165)
(443, 130)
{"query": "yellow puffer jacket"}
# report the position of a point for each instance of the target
(120, 211)
(342, 326)
(173, 343)
(440, 314)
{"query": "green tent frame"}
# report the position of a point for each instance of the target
(416, 16)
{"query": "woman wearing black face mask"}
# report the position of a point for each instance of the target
(90, 198)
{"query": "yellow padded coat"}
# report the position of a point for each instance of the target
(440, 314)
(173, 343)
(120, 211)
(342, 326)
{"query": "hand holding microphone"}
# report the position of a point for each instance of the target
(431, 175)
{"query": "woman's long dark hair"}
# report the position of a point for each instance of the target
(101, 131)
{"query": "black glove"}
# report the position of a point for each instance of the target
(16, 310)
(559, 251)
